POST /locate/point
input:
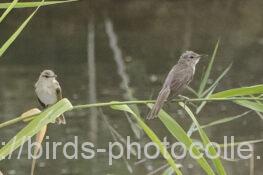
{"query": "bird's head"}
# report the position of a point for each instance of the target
(190, 58)
(47, 74)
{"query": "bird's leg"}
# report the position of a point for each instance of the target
(186, 100)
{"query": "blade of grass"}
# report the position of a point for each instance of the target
(224, 120)
(178, 132)
(48, 116)
(198, 109)
(18, 31)
(10, 7)
(217, 81)
(202, 105)
(208, 70)
(217, 162)
(258, 113)
(192, 90)
(168, 171)
(251, 105)
(242, 142)
(33, 4)
(250, 90)
(151, 135)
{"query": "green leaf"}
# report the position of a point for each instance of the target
(250, 90)
(217, 162)
(251, 105)
(168, 171)
(18, 31)
(202, 105)
(33, 4)
(242, 142)
(10, 7)
(225, 120)
(178, 132)
(208, 71)
(35, 126)
(6, 45)
(217, 81)
(151, 135)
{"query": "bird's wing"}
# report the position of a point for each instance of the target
(41, 103)
(59, 93)
(60, 119)
(177, 78)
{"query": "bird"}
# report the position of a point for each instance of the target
(49, 92)
(177, 79)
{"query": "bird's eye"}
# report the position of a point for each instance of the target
(191, 57)
(45, 76)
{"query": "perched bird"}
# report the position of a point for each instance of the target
(178, 78)
(48, 91)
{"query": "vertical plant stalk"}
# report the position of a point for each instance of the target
(92, 79)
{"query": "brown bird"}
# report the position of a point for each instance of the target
(49, 91)
(178, 78)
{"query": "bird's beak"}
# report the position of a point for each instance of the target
(55, 76)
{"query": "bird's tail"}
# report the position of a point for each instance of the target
(61, 120)
(162, 97)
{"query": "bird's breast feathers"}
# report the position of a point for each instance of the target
(46, 92)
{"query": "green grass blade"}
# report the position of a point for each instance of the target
(217, 162)
(35, 126)
(202, 105)
(217, 81)
(251, 105)
(151, 135)
(208, 71)
(178, 132)
(192, 90)
(32, 4)
(250, 90)
(224, 120)
(17, 32)
(9, 8)
(168, 171)
(242, 142)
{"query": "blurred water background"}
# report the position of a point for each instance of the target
(74, 41)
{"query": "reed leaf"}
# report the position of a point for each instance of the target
(251, 105)
(217, 80)
(217, 162)
(208, 71)
(250, 90)
(151, 135)
(178, 132)
(224, 120)
(33, 4)
(18, 31)
(9, 8)
(41, 120)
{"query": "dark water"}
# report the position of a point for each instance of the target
(151, 35)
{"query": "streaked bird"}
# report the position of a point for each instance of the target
(178, 78)
(49, 92)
